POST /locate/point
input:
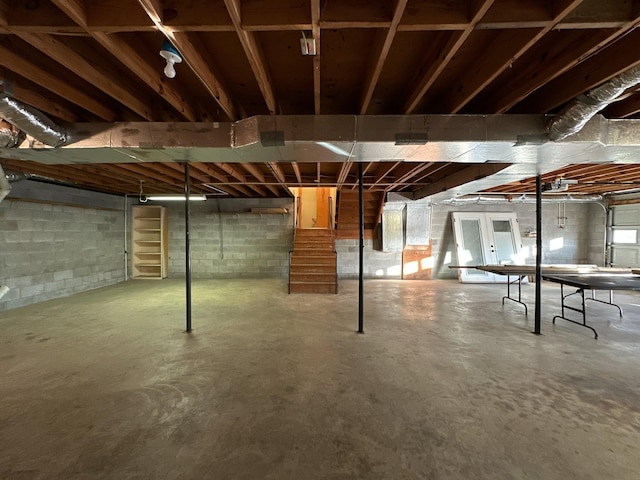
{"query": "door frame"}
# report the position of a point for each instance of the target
(488, 243)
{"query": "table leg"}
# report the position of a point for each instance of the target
(610, 302)
(582, 311)
(509, 297)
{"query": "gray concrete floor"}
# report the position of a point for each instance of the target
(444, 384)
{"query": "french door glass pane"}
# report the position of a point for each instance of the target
(504, 241)
(472, 242)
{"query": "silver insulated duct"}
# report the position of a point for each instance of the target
(32, 122)
(575, 115)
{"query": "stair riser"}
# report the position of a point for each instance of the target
(323, 245)
(311, 288)
(308, 260)
(304, 239)
(329, 268)
(313, 277)
(313, 262)
(320, 233)
(313, 252)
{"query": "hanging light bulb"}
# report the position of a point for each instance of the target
(172, 56)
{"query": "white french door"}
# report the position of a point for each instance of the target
(486, 238)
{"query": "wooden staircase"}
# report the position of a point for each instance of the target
(313, 268)
(348, 217)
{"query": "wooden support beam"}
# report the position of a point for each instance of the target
(405, 177)
(315, 30)
(383, 171)
(625, 108)
(380, 56)
(123, 51)
(433, 71)
(537, 74)
(460, 177)
(296, 171)
(191, 56)
(345, 168)
(253, 170)
(590, 73)
(25, 67)
(223, 184)
(78, 64)
(255, 56)
(37, 98)
(276, 169)
(196, 172)
(364, 172)
(143, 172)
(233, 172)
(510, 45)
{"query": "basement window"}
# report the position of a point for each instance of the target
(625, 236)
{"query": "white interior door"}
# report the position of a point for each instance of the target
(486, 238)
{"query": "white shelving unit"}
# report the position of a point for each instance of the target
(149, 242)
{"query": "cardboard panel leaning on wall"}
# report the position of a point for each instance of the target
(234, 243)
(56, 241)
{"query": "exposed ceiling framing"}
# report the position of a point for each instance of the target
(86, 61)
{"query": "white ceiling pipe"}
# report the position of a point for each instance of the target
(492, 199)
(582, 109)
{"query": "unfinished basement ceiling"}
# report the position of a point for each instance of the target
(86, 62)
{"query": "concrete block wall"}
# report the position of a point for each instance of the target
(56, 241)
(231, 245)
(377, 264)
(579, 240)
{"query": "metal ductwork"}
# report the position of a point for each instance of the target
(32, 122)
(5, 188)
(575, 115)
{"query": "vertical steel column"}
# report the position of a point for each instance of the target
(361, 277)
(538, 254)
(187, 213)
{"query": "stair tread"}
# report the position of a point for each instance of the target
(311, 283)
(313, 268)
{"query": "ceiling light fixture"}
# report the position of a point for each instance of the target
(215, 189)
(171, 198)
(172, 56)
(558, 185)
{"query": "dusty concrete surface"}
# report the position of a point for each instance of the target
(445, 384)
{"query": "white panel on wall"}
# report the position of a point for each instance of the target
(418, 224)
(392, 230)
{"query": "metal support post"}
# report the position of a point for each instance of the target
(361, 277)
(537, 329)
(187, 213)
